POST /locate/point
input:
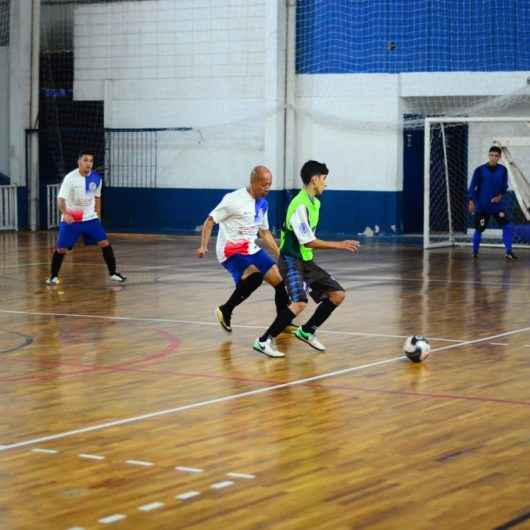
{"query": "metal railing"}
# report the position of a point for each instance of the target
(8, 208)
(53, 215)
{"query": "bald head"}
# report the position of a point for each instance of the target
(258, 173)
(260, 182)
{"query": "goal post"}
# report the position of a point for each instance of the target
(453, 148)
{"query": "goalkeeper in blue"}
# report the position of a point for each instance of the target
(486, 192)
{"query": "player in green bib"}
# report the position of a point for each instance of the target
(298, 240)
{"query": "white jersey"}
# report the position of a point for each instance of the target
(240, 217)
(80, 193)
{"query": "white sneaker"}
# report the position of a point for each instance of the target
(52, 280)
(117, 277)
(266, 348)
(310, 339)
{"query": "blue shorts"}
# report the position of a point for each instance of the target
(92, 232)
(238, 263)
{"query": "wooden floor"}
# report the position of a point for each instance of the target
(127, 407)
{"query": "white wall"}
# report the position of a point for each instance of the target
(351, 121)
(4, 111)
(208, 65)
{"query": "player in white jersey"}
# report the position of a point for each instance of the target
(79, 201)
(242, 216)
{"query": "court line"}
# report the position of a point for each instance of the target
(135, 419)
(19, 266)
(488, 283)
(191, 406)
(202, 323)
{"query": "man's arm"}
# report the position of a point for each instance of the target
(306, 236)
(266, 235)
(61, 205)
(206, 232)
(98, 206)
(472, 193)
(351, 245)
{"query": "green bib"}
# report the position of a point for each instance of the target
(289, 244)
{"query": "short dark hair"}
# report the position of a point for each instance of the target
(83, 152)
(495, 149)
(311, 169)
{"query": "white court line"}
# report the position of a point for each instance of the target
(151, 506)
(76, 528)
(24, 265)
(91, 457)
(46, 451)
(112, 518)
(201, 323)
(499, 343)
(196, 405)
(139, 463)
(189, 469)
(187, 495)
(434, 280)
(222, 485)
(232, 397)
(244, 476)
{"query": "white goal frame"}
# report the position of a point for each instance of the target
(451, 241)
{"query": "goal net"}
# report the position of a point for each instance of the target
(454, 147)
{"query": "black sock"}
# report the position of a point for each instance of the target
(110, 260)
(242, 291)
(324, 309)
(57, 261)
(281, 298)
(284, 318)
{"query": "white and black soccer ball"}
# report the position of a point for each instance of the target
(417, 348)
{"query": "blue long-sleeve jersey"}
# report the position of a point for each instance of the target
(487, 182)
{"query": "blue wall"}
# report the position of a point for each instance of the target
(167, 210)
(346, 36)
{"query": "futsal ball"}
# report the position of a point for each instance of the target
(417, 348)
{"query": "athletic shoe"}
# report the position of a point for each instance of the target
(223, 319)
(266, 348)
(117, 277)
(510, 256)
(310, 339)
(475, 255)
(52, 280)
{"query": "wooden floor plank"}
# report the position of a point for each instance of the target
(112, 378)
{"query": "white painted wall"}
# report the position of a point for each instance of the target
(208, 65)
(351, 121)
(4, 110)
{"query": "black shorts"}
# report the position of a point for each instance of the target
(298, 274)
(482, 218)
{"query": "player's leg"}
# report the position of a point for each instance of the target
(274, 278)
(507, 234)
(481, 221)
(247, 278)
(93, 230)
(328, 294)
(281, 298)
(290, 269)
(68, 235)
